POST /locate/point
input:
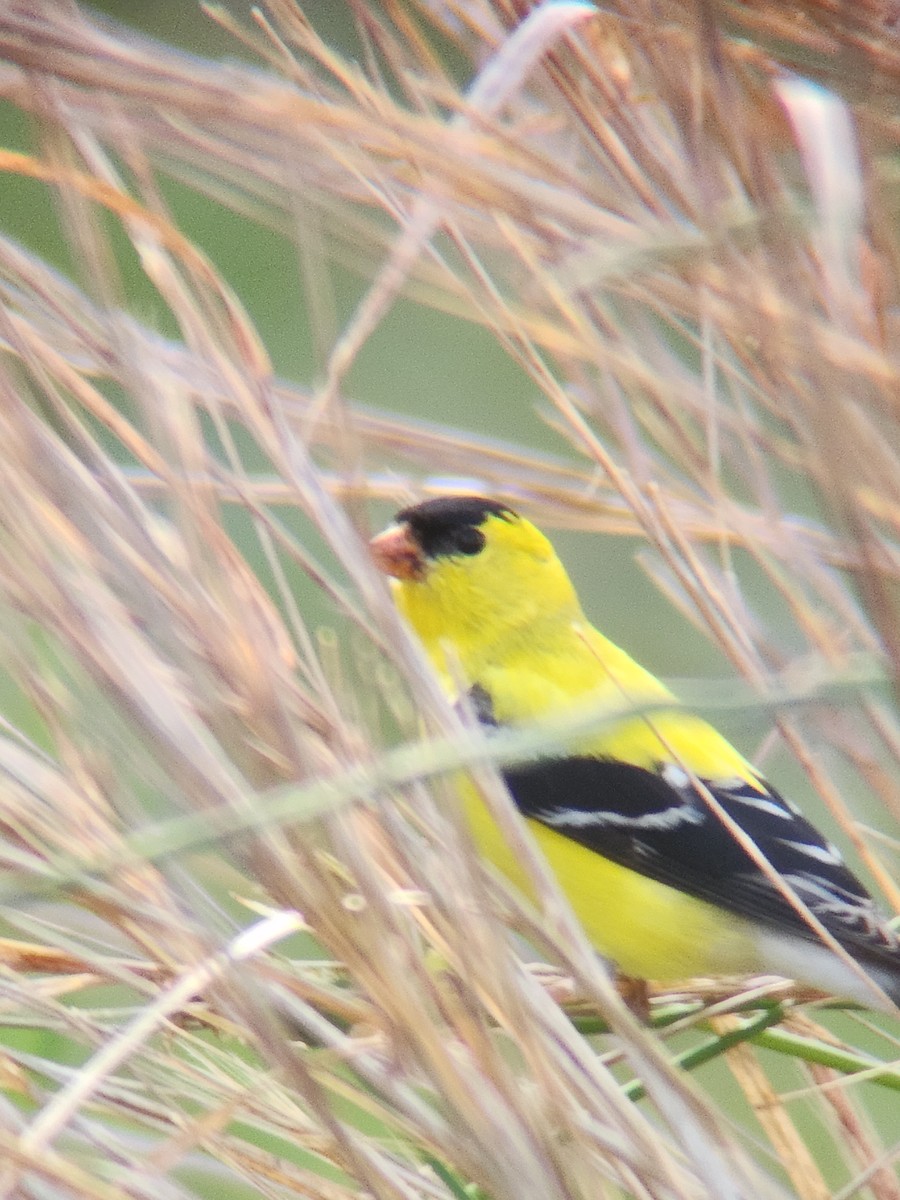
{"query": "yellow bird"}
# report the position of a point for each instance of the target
(628, 820)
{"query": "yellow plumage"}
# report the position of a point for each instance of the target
(487, 595)
(649, 930)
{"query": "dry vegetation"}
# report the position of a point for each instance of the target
(694, 253)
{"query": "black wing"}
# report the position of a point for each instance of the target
(659, 824)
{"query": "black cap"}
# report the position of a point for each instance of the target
(450, 525)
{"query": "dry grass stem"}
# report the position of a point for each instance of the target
(247, 946)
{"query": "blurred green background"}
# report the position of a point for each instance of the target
(419, 362)
(428, 364)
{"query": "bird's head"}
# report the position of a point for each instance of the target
(469, 571)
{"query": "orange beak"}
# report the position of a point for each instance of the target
(395, 553)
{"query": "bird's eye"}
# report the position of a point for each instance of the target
(468, 540)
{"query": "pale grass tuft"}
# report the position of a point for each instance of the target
(289, 966)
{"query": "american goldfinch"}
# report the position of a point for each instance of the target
(678, 857)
